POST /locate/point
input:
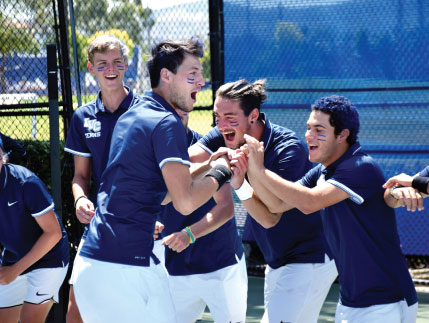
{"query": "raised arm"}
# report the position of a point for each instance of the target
(222, 212)
(188, 194)
(307, 200)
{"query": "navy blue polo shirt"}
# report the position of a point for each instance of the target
(146, 137)
(424, 172)
(296, 238)
(23, 197)
(209, 253)
(90, 133)
(362, 234)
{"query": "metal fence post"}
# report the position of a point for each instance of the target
(57, 314)
(216, 44)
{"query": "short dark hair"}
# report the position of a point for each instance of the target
(170, 54)
(342, 115)
(249, 95)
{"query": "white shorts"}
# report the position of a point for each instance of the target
(398, 312)
(108, 292)
(36, 287)
(296, 292)
(224, 291)
(73, 276)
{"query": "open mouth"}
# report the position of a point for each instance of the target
(111, 77)
(312, 147)
(229, 135)
(194, 96)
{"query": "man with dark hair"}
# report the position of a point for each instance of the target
(360, 228)
(299, 273)
(118, 276)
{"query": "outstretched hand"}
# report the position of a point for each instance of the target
(401, 179)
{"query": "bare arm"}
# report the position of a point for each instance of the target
(256, 208)
(272, 202)
(188, 194)
(80, 187)
(409, 197)
(197, 154)
(50, 236)
(222, 212)
(307, 200)
(403, 196)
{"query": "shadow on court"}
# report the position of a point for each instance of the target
(255, 304)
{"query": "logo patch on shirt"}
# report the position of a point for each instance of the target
(93, 126)
(11, 203)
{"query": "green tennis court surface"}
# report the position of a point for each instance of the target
(255, 304)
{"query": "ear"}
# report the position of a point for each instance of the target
(165, 75)
(90, 67)
(254, 115)
(344, 134)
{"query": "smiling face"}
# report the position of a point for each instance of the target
(109, 69)
(231, 122)
(323, 146)
(186, 83)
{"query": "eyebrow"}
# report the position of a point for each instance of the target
(227, 114)
(319, 126)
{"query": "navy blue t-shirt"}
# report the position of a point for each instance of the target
(146, 137)
(90, 133)
(362, 234)
(24, 197)
(214, 251)
(424, 172)
(296, 238)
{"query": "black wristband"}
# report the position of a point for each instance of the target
(420, 183)
(220, 173)
(75, 202)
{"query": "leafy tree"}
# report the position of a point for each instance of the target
(127, 15)
(132, 17)
(81, 45)
(205, 61)
(15, 37)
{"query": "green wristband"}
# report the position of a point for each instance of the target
(190, 234)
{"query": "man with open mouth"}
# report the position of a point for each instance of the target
(299, 272)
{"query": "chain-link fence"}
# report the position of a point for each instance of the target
(140, 27)
(374, 52)
(26, 27)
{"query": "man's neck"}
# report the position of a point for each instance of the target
(338, 154)
(163, 92)
(257, 129)
(112, 99)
